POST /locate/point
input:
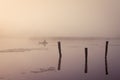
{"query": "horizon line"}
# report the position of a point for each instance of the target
(59, 37)
(74, 38)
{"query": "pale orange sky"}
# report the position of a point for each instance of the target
(83, 18)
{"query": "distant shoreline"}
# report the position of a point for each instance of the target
(75, 38)
(63, 38)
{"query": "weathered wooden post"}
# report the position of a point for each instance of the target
(86, 60)
(106, 53)
(60, 55)
(106, 48)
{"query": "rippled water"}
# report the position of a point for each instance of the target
(24, 59)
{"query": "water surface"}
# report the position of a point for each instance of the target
(24, 59)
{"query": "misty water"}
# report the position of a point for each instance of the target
(26, 59)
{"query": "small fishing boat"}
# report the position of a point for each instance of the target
(43, 43)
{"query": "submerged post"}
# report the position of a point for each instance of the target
(60, 55)
(86, 60)
(106, 48)
(106, 52)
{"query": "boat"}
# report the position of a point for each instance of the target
(43, 43)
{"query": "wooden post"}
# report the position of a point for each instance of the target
(60, 55)
(106, 48)
(106, 53)
(86, 60)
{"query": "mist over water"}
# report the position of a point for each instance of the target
(26, 59)
(79, 18)
(59, 39)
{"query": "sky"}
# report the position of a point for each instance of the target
(48, 18)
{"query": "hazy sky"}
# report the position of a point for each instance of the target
(83, 18)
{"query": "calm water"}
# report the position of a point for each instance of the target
(24, 59)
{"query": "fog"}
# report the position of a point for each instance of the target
(47, 18)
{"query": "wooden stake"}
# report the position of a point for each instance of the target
(86, 60)
(106, 53)
(60, 55)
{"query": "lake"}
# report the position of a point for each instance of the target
(26, 59)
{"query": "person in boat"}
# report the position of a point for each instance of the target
(44, 43)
